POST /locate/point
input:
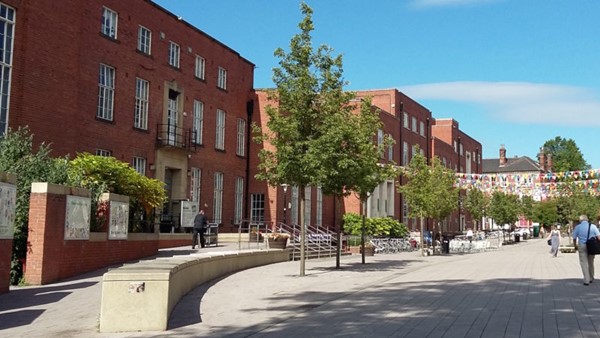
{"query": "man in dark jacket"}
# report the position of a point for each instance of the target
(200, 223)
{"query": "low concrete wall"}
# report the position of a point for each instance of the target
(141, 296)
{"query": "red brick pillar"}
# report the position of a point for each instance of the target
(47, 208)
(8, 200)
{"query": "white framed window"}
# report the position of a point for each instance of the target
(103, 152)
(307, 205)
(222, 78)
(220, 135)
(140, 117)
(414, 124)
(414, 151)
(257, 210)
(422, 128)
(139, 164)
(173, 54)
(319, 211)
(239, 200)
(218, 197)
(200, 64)
(405, 120)
(195, 184)
(109, 23)
(391, 151)
(144, 44)
(198, 121)
(460, 149)
(241, 138)
(106, 92)
(404, 153)
(455, 147)
(7, 23)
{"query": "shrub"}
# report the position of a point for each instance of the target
(377, 226)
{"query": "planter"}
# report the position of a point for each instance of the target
(280, 243)
(356, 250)
(369, 251)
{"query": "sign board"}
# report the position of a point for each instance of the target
(189, 210)
(77, 217)
(8, 200)
(119, 220)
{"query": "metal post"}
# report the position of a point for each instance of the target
(285, 186)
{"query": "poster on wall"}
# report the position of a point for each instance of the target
(77, 218)
(189, 210)
(8, 199)
(119, 220)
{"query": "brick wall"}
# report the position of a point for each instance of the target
(51, 258)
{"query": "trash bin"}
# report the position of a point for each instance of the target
(517, 238)
(445, 245)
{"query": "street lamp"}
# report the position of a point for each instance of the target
(284, 186)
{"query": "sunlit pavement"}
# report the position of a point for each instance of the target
(517, 291)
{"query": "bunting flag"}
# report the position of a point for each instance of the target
(538, 185)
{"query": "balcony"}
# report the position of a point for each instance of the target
(168, 135)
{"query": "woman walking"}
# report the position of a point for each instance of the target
(554, 240)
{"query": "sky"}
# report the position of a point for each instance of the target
(511, 72)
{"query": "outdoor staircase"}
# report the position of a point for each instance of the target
(320, 242)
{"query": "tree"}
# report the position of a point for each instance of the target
(101, 174)
(476, 204)
(504, 208)
(430, 191)
(368, 172)
(17, 156)
(545, 212)
(308, 93)
(566, 155)
(349, 158)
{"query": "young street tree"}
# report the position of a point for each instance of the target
(363, 170)
(504, 208)
(305, 104)
(430, 191)
(477, 204)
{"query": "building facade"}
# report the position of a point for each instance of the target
(131, 80)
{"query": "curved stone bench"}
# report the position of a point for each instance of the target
(141, 296)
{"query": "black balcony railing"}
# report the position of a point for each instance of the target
(168, 135)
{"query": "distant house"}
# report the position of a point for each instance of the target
(519, 175)
(517, 165)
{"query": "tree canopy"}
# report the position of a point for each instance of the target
(566, 155)
(430, 190)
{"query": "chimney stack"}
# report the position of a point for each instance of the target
(502, 155)
(549, 163)
(542, 159)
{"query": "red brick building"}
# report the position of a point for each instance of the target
(413, 129)
(131, 80)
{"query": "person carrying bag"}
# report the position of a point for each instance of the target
(585, 240)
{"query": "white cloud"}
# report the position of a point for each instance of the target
(519, 102)
(446, 3)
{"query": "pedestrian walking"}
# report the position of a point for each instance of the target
(200, 223)
(554, 240)
(583, 231)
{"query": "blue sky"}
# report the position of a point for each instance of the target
(511, 72)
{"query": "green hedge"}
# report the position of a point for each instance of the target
(377, 226)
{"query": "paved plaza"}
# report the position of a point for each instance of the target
(517, 291)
